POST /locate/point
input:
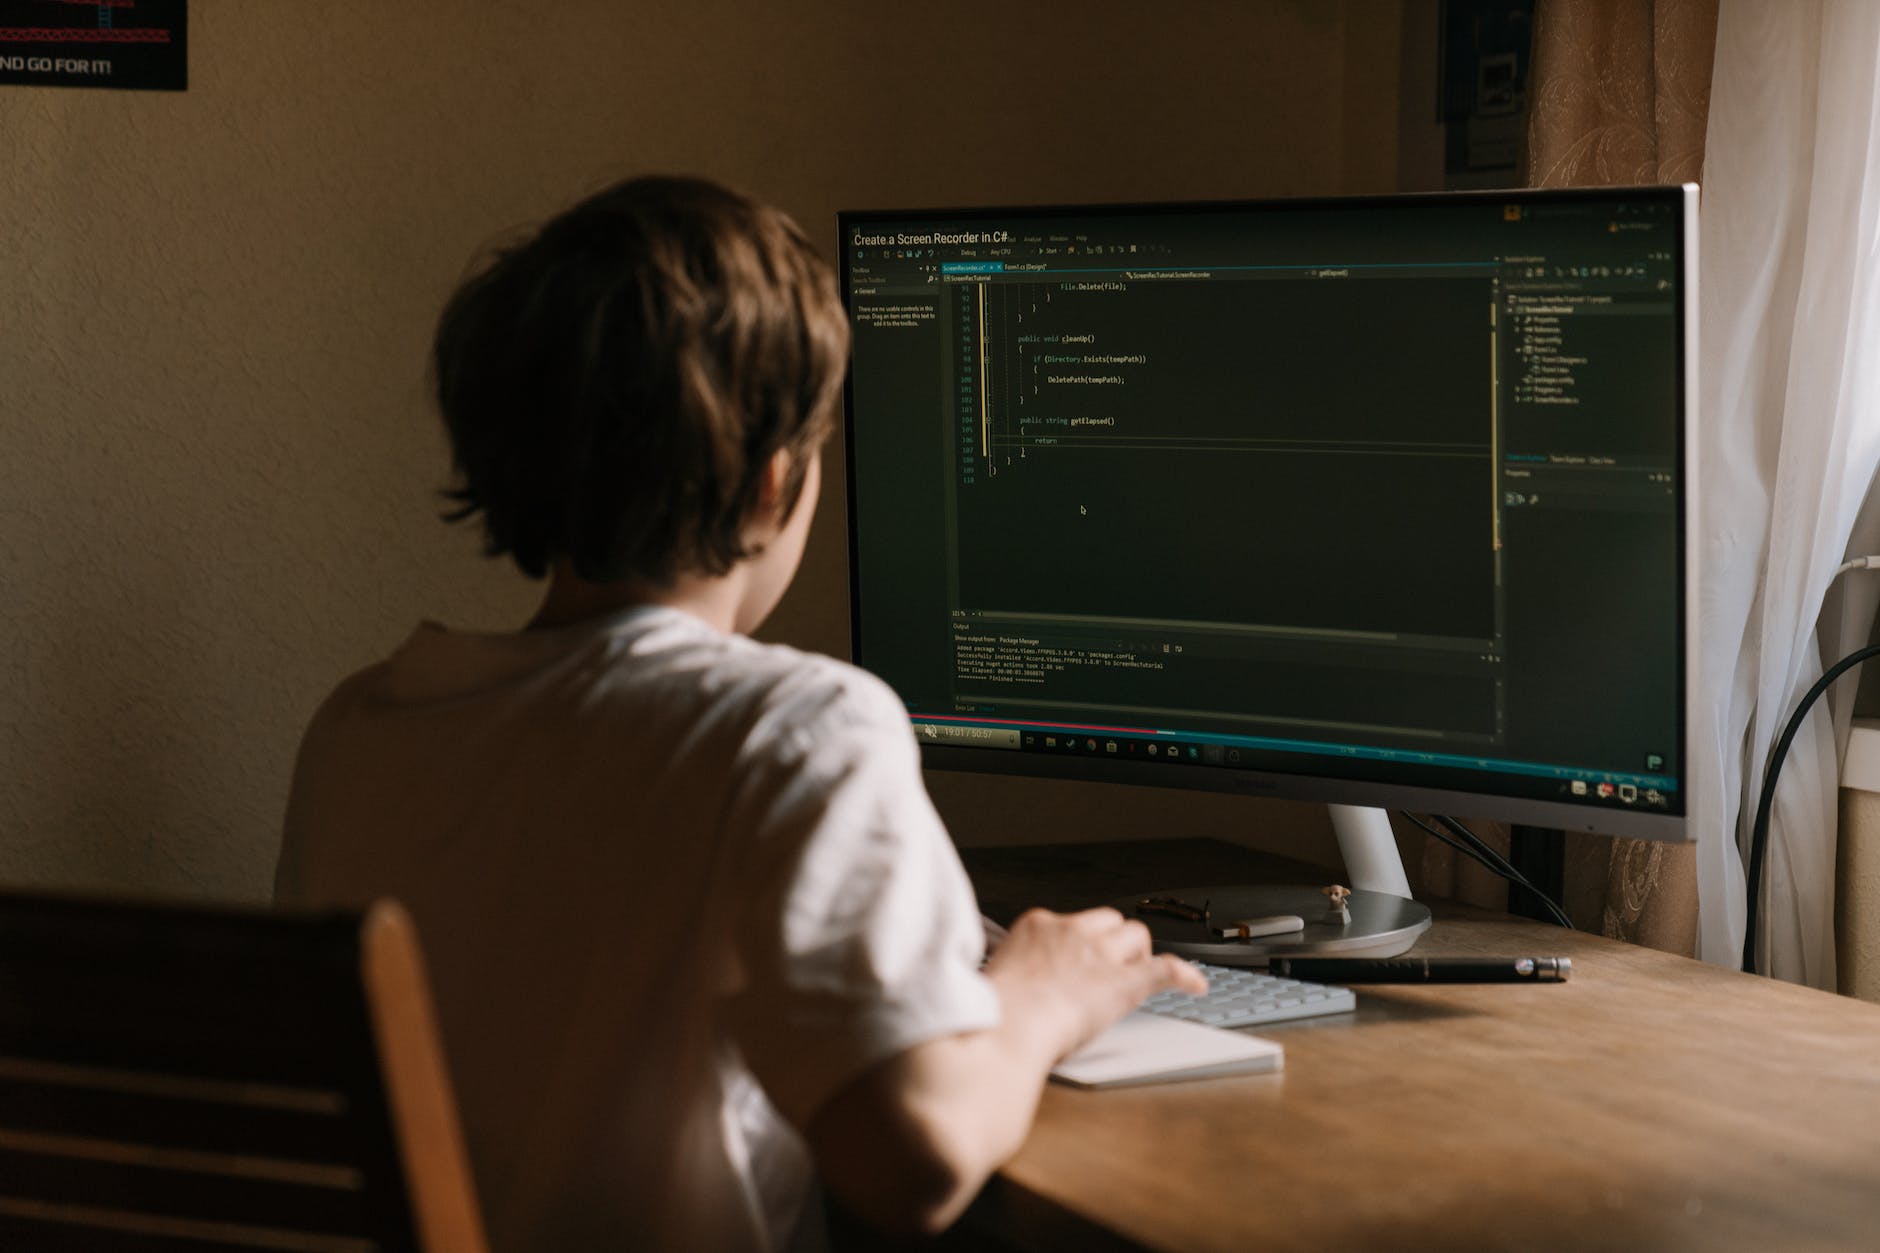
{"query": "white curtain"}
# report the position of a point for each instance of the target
(1788, 425)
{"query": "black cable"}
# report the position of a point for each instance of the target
(1507, 869)
(1489, 858)
(1445, 838)
(1489, 853)
(1759, 829)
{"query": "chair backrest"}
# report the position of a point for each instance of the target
(177, 1077)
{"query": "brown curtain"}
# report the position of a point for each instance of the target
(1619, 92)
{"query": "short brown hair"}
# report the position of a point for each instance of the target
(615, 385)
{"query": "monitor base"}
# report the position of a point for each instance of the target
(1380, 925)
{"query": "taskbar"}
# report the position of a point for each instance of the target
(1166, 746)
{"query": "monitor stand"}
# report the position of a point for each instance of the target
(1383, 921)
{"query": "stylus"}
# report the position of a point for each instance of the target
(1424, 969)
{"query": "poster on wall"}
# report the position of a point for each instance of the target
(1486, 46)
(135, 44)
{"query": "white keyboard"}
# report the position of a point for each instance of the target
(1251, 998)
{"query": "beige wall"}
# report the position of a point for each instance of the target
(216, 490)
(1857, 895)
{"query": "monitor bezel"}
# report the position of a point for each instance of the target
(1483, 804)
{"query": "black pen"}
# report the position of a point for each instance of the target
(1423, 969)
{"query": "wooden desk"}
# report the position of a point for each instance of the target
(1651, 1102)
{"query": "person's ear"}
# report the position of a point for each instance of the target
(768, 510)
(776, 475)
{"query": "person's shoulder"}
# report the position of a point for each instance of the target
(663, 665)
(361, 687)
(328, 745)
(383, 681)
(814, 686)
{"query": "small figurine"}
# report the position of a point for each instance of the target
(1337, 911)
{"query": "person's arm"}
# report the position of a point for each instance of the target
(908, 1143)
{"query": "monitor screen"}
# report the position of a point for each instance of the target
(1379, 501)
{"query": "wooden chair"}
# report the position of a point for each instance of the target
(181, 1078)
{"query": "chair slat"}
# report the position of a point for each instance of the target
(154, 1019)
(176, 1078)
(328, 1204)
(203, 1126)
(101, 1229)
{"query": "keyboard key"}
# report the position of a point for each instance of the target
(1251, 998)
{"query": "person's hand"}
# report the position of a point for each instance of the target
(1075, 974)
(907, 1143)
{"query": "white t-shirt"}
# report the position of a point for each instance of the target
(674, 887)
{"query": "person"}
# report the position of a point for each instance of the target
(696, 933)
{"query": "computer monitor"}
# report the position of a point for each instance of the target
(1374, 501)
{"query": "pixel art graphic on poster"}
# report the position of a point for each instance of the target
(134, 44)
